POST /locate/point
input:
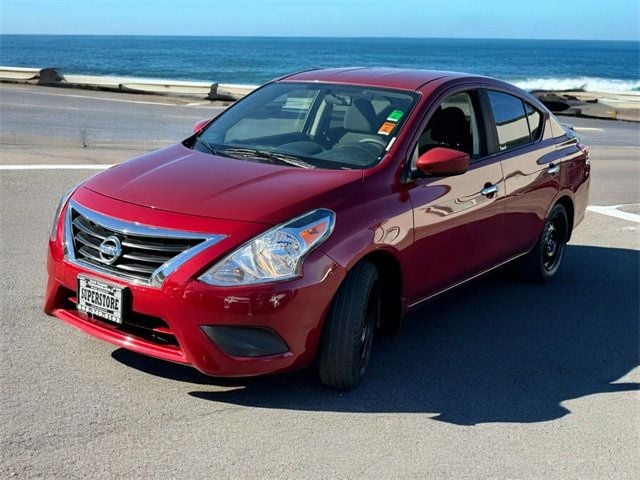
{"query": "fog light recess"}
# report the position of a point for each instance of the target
(245, 341)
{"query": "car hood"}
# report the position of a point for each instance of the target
(179, 179)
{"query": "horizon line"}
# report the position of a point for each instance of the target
(637, 40)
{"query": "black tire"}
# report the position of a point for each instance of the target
(543, 261)
(347, 337)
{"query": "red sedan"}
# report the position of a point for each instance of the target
(315, 211)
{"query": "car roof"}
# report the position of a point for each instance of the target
(397, 78)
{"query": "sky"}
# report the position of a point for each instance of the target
(537, 19)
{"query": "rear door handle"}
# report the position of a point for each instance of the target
(489, 190)
(553, 169)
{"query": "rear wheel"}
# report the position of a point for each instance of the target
(348, 331)
(543, 261)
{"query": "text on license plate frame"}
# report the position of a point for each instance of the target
(100, 298)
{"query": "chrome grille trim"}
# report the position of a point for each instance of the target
(82, 247)
(81, 226)
(162, 248)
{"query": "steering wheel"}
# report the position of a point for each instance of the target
(373, 141)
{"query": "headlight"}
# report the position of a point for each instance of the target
(56, 217)
(275, 255)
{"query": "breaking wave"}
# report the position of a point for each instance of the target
(589, 84)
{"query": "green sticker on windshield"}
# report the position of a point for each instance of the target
(395, 116)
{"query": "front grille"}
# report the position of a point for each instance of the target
(141, 256)
(137, 252)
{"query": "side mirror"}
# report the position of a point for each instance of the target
(441, 161)
(201, 124)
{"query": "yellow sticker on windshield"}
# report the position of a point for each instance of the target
(386, 128)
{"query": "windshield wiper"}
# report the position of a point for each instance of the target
(273, 156)
(208, 146)
(241, 152)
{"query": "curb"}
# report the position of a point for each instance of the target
(51, 77)
(621, 106)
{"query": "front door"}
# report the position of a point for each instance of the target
(458, 220)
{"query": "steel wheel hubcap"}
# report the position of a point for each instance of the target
(552, 243)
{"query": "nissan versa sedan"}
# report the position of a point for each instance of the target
(311, 214)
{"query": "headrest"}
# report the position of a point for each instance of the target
(449, 123)
(360, 116)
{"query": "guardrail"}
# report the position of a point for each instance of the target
(52, 77)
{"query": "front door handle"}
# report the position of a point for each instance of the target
(489, 190)
(553, 169)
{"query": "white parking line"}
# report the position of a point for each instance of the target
(588, 129)
(612, 211)
(121, 100)
(78, 166)
(195, 116)
(104, 99)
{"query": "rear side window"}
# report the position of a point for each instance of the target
(511, 121)
(534, 117)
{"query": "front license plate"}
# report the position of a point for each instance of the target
(99, 298)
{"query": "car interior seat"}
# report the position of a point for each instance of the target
(359, 121)
(450, 129)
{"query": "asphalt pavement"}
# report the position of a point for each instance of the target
(499, 379)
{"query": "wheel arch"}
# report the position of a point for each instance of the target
(392, 288)
(567, 203)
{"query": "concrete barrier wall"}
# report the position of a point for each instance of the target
(52, 77)
(15, 74)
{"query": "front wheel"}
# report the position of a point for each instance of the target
(543, 261)
(347, 338)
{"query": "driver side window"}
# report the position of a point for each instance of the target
(453, 125)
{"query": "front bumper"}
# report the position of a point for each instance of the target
(166, 322)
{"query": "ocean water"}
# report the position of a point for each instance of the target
(530, 64)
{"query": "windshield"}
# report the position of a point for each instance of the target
(309, 125)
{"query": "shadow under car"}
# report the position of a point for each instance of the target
(495, 350)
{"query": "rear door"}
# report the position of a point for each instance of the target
(457, 219)
(526, 150)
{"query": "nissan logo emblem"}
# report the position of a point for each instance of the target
(110, 249)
